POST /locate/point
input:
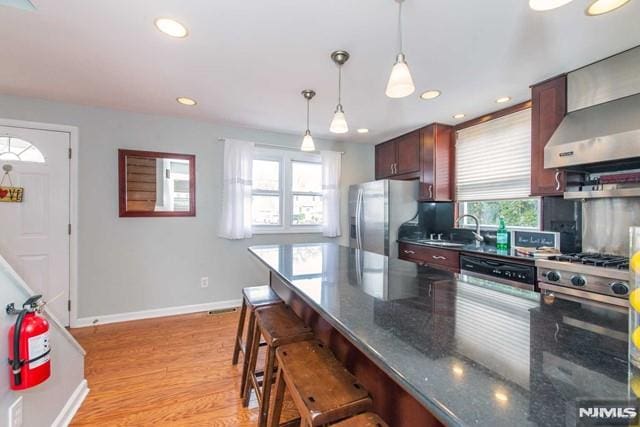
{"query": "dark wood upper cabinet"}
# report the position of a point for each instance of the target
(385, 159)
(436, 180)
(425, 154)
(408, 153)
(549, 106)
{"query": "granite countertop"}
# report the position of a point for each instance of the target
(474, 353)
(482, 249)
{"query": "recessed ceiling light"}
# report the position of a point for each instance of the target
(541, 5)
(458, 116)
(501, 397)
(430, 94)
(186, 101)
(503, 99)
(599, 7)
(171, 27)
(363, 130)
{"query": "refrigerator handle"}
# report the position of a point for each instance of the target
(358, 219)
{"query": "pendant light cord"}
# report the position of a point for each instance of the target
(400, 26)
(339, 84)
(308, 115)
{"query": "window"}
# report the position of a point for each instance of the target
(493, 172)
(19, 150)
(287, 192)
(266, 192)
(519, 213)
(306, 191)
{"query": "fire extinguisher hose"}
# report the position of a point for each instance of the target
(16, 363)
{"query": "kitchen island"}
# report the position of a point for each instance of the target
(434, 347)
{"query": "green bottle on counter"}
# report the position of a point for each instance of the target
(502, 236)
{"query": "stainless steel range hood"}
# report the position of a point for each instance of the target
(603, 120)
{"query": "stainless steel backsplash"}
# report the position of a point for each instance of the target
(606, 222)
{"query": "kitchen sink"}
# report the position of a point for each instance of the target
(443, 243)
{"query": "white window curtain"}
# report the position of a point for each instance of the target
(235, 222)
(331, 169)
(493, 159)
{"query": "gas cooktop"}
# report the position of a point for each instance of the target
(595, 259)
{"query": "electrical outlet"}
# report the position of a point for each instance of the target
(15, 413)
(204, 282)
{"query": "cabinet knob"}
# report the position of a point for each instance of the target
(406, 251)
(558, 185)
(438, 257)
(431, 191)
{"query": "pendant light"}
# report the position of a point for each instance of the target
(400, 82)
(339, 122)
(307, 141)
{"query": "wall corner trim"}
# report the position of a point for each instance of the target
(156, 312)
(73, 404)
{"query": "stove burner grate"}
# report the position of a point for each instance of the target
(595, 259)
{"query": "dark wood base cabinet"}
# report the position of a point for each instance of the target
(548, 108)
(392, 402)
(426, 255)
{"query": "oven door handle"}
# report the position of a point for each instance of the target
(575, 295)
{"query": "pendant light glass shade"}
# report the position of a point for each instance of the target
(400, 82)
(307, 142)
(339, 122)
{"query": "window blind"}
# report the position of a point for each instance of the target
(493, 159)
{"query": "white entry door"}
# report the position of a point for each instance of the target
(34, 234)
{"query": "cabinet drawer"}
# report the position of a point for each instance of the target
(437, 257)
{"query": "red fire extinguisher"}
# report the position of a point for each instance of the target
(29, 347)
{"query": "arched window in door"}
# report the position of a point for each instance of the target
(16, 149)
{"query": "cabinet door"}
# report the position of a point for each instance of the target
(408, 153)
(385, 159)
(427, 137)
(443, 164)
(549, 106)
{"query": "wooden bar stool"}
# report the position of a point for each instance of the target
(368, 419)
(278, 325)
(322, 390)
(252, 297)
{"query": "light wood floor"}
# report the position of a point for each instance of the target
(171, 371)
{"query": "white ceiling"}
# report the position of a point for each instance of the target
(246, 61)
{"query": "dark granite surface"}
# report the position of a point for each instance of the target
(481, 249)
(473, 353)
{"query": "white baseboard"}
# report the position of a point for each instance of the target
(157, 312)
(71, 407)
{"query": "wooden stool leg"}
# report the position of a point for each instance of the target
(278, 400)
(251, 369)
(248, 345)
(267, 381)
(236, 349)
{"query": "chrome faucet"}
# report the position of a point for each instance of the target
(476, 234)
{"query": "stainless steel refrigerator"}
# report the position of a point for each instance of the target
(376, 211)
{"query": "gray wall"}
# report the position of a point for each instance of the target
(41, 404)
(133, 264)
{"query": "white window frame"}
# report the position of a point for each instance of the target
(462, 210)
(285, 158)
